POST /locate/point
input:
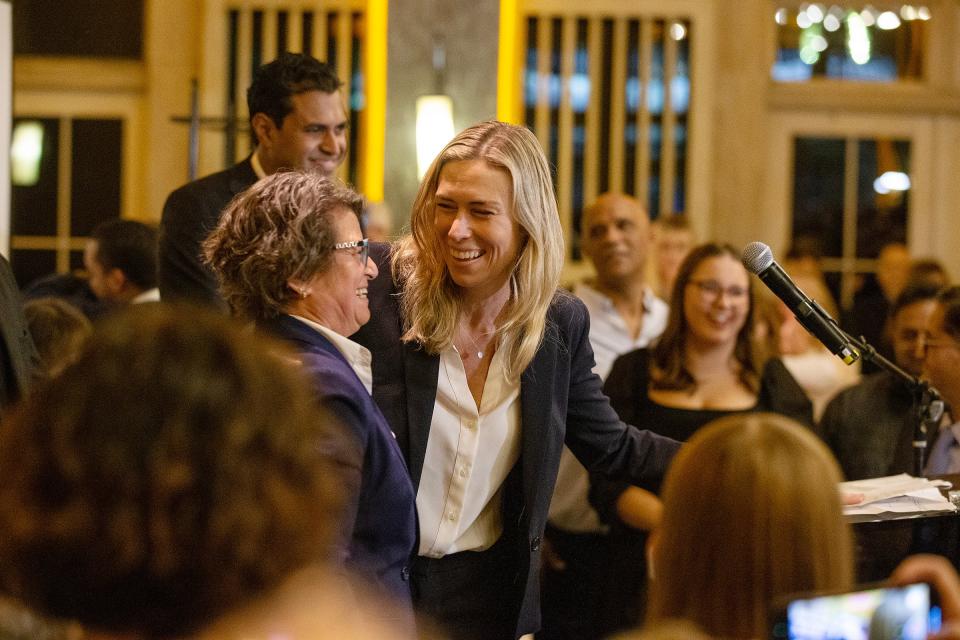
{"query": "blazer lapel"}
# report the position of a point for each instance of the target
(421, 370)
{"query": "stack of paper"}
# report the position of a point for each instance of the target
(896, 494)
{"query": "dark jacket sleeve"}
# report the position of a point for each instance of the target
(21, 363)
(595, 434)
(781, 393)
(629, 373)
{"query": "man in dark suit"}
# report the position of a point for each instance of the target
(298, 118)
(18, 356)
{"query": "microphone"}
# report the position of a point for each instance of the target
(758, 259)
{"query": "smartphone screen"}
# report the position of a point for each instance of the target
(883, 613)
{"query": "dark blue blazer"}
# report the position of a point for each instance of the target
(384, 530)
(561, 403)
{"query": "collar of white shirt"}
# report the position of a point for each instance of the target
(257, 167)
(150, 295)
(355, 354)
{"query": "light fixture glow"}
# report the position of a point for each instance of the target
(803, 20)
(678, 31)
(923, 13)
(815, 13)
(809, 55)
(858, 39)
(890, 181)
(434, 129)
(888, 20)
(818, 43)
(831, 23)
(26, 151)
(869, 15)
(780, 16)
(908, 12)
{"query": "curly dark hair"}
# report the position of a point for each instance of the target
(280, 228)
(291, 73)
(179, 468)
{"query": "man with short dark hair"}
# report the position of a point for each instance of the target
(941, 366)
(121, 262)
(870, 425)
(299, 122)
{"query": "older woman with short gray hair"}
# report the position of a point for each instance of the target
(289, 255)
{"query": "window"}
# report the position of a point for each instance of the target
(851, 197)
(609, 98)
(864, 43)
(75, 184)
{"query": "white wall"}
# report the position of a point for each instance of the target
(6, 107)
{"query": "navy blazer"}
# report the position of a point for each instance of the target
(384, 529)
(189, 215)
(561, 403)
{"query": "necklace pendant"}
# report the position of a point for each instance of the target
(480, 355)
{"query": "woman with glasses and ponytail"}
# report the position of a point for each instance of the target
(289, 255)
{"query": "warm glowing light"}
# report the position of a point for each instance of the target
(923, 13)
(809, 55)
(678, 31)
(858, 39)
(891, 181)
(831, 23)
(869, 16)
(908, 12)
(815, 13)
(888, 20)
(803, 20)
(781, 16)
(26, 150)
(818, 43)
(434, 129)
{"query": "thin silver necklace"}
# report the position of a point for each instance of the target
(476, 347)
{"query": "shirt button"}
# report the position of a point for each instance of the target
(405, 574)
(463, 473)
(451, 516)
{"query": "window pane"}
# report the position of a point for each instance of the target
(883, 186)
(31, 264)
(34, 200)
(78, 28)
(863, 44)
(95, 183)
(818, 192)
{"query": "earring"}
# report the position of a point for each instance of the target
(303, 294)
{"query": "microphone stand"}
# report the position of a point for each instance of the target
(927, 404)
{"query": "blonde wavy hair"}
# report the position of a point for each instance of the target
(752, 512)
(430, 302)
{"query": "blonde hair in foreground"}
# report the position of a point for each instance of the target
(751, 512)
(430, 302)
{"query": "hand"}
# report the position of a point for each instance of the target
(938, 571)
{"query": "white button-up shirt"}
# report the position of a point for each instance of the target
(358, 356)
(470, 451)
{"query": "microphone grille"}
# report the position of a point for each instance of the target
(756, 257)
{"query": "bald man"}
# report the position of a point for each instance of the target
(624, 315)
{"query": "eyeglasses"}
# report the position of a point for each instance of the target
(362, 245)
(711, 290)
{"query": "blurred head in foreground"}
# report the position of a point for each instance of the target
(765, 487)
(174, 472)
